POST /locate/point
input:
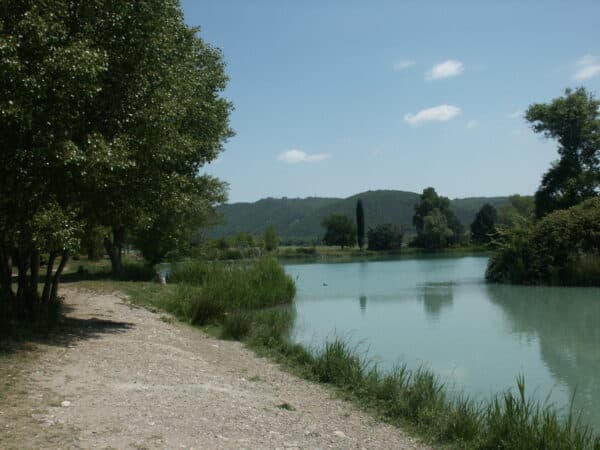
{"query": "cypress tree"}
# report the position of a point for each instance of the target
(360, 224)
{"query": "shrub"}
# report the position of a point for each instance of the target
(562, 248)
(385, 237)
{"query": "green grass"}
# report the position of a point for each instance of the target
(417, 400)
(212, 292)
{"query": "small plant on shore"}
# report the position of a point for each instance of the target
(236, 325)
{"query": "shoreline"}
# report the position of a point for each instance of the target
(137, 378)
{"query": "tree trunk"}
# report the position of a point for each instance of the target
(22, 267)
(114, 250)
(57, 274)
(35, 276)
(6, 292)
(48, 280)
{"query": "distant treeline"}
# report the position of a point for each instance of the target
(298, 221)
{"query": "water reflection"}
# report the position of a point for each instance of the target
(363, 303)
(435, 298)
(566, 322)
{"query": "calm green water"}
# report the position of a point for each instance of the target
(440, 313)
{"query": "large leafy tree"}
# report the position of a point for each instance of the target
(573, 120)
(109, 109)
(437, 225)
(49, 77)
(339, 230)
(484, 224)
(160, 102)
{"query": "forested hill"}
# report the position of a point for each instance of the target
(300, 218)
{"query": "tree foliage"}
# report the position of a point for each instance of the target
(339, 230)
(520, 208)
(386, 236)
(271, 239)
(108, 112)
(483, 227)
(360, 224)
(561, 248)
(574, 122)
(436, 224)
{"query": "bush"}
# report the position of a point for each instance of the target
(562, 248)
(385, 237)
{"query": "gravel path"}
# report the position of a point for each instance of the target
(136, 381)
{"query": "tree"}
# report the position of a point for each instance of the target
(160, 103)
(386, 236)
(574, 121)
(271, 239)
(519, 209)
(49, 76)
(561, 248)
(484, 225)
(109, 110)
(360, 224)
(433, 215)
(339, 230)
(436, 233)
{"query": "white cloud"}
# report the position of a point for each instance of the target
(403, 65)
(471, 124)
(450, 68)
(516, 114)
(295, 156)
(441, 113)
(588, 67)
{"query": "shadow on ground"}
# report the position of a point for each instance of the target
(60, 331)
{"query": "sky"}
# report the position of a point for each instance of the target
(333, 98)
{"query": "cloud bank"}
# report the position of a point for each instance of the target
(441, 113)
(295, 156)
(446, 69)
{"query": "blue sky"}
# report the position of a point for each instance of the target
(336, 97)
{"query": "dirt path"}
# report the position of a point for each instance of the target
(133, 380)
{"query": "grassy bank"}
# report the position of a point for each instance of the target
(337, 254)
(242, 301)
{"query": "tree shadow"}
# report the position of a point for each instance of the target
(61, 331)
(131, 272)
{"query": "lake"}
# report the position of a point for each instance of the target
(440, 313)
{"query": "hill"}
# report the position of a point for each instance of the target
(299, 219)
